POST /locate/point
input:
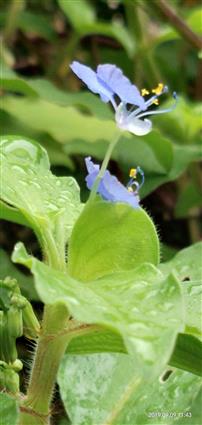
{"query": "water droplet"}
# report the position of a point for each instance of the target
(18, 169)
(37, 185)
(24, 183)
(195, 290)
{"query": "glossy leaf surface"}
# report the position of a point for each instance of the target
(109, 387)
(50, 204)
(140, 305)
(188, 267)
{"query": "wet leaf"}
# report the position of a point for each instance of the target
(140, 305)
(109, 387)
(187, 266)
(187, 354)
(50, 204)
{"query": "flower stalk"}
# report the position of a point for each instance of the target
(104, 166)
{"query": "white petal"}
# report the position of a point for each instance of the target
(139, 127)
(134, 124)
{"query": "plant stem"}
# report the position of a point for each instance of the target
(179, 24)
(50, 349)
(104, 166)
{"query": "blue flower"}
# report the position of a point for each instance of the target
(111, 189)
(108, 81)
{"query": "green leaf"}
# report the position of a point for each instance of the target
(44, 89)
(12, 82)
(64, 124)
(84, 100)
(140, 305)
(54, 149)
(109, 388)
(188, 268)
(25, 282)
(194, 20)
(84, 134)
(98, 340)
(184, 124)
(111, 237)
(161, 160)
(187, 354)
(9, 410)
(82, 17)
(12, 214)
(80, 13)
(50, 204)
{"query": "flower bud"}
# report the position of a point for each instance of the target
(9, 379)
(31, 326)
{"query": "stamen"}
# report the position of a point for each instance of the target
(158, 90)
(147, 104)
(162, 111)
(133, 172)
(144, 92)
(155, 102)
(133, 182)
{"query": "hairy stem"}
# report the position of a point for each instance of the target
(104, 166)
(50, 349)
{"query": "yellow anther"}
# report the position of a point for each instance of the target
(144, 92)
(158, 90)
(130, 189)
(155, 102)
(133, 172)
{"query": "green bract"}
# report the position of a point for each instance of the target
(111, 237)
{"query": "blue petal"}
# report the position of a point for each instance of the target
(91, 167)
(119, 84)
(93, 170)
(110, 188)
(89, 77)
